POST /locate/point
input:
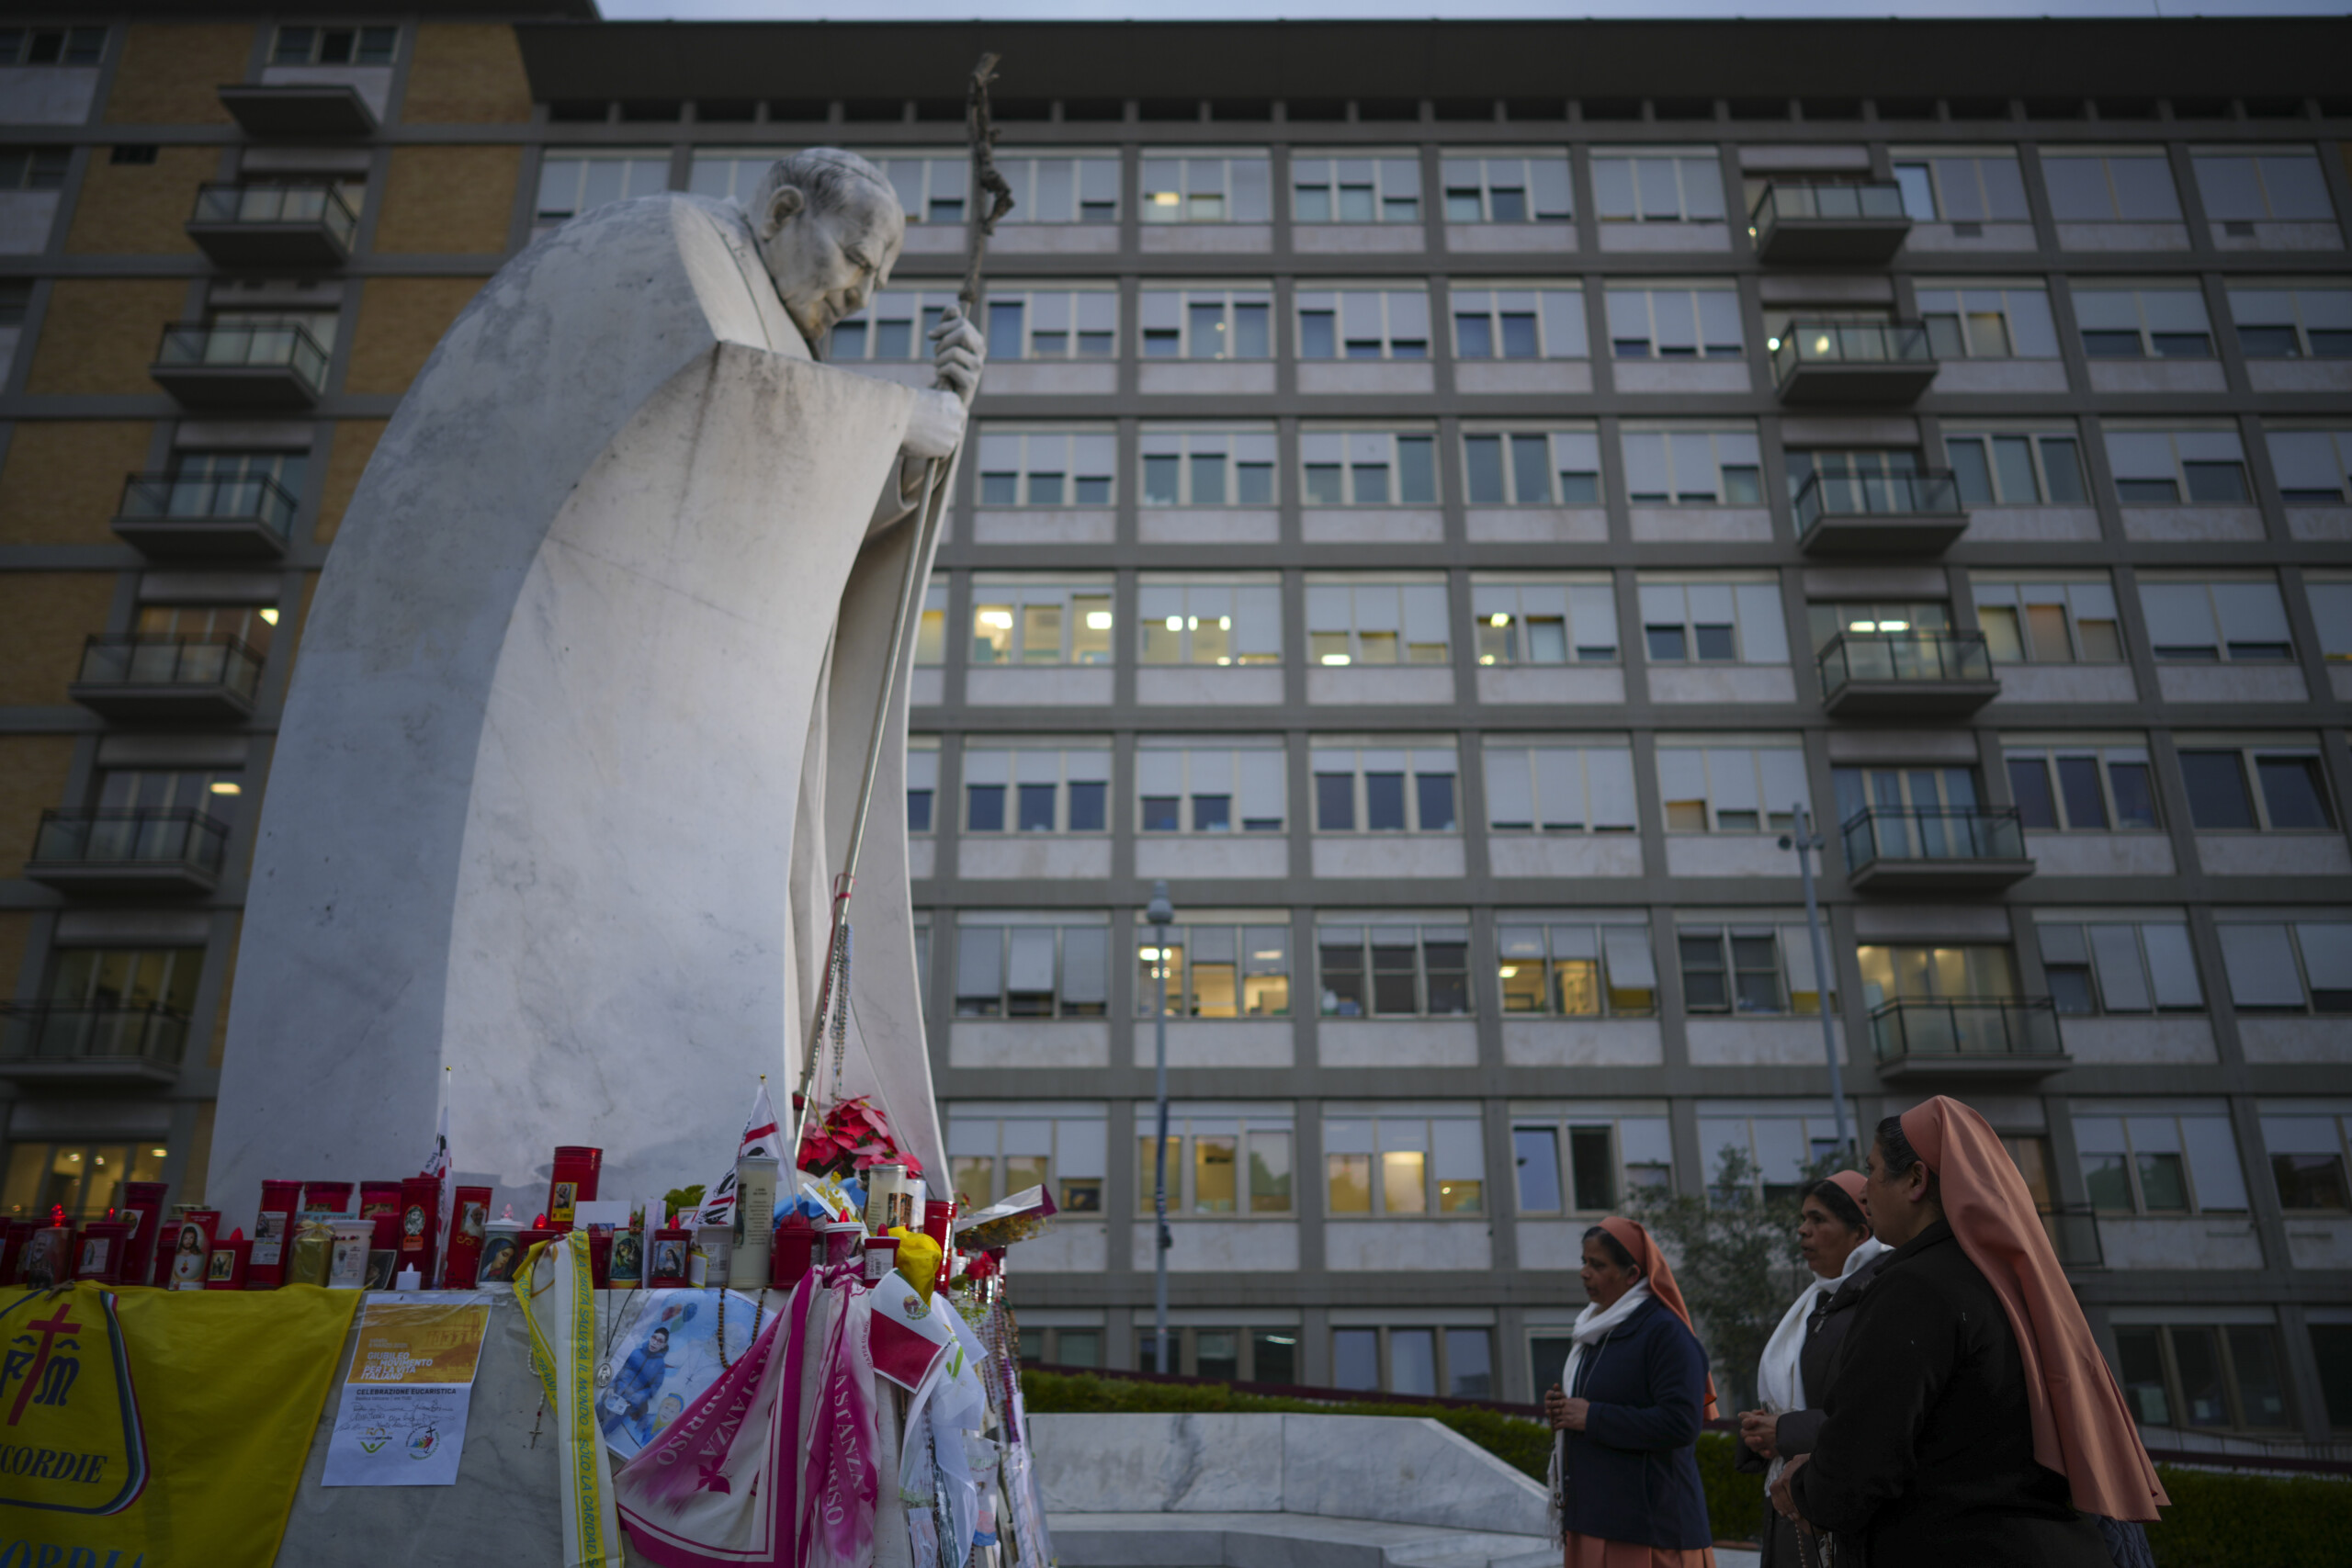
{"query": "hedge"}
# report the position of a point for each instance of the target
(2216, 1519)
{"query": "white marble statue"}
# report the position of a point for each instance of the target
(578, 717)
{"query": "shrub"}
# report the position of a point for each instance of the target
(2219, 1521)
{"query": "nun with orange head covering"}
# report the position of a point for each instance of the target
(1970, 1416)
(1625, 1488)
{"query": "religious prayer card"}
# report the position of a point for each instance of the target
(402, 1420)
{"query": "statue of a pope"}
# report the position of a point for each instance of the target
(577, 720)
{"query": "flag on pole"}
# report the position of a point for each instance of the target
(438, 1167)
(761, 1136)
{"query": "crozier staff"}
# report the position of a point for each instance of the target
(1971, 1418)
(1624, 1468)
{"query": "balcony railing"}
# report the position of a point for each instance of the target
(1848, 203)
(131, 840)
(91, 1039)
(1855, 352)
(1976, 833)
(255, 225)
(188, 515)
(279, 364)
(1932, 492)
(1851, 657)
(1990, 1030)
(134, 676)
(1828, 222)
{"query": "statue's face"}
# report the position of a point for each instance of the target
(827, 263)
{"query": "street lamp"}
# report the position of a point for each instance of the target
(1159, 913)
(1806, 842)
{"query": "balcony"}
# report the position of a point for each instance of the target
(190, 518)
(1903, 674)
(1966, 1037)
(1952, 850)
(1828, 222)
(97, 1042)
(241, 367)
(274, 225)
(126, 675)
(138, 853)
(1852, 364)
(304, 108)
(1905, 514)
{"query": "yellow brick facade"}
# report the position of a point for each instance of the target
(33, 770)
(44, 616)
(16, 930)
(100, 335)
(466, 73)
(62, 481)
(140, 209)
(355, 443)
(400, 319)
(171, 73)
(448, 200)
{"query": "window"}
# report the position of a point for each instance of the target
(1046, 467)
(33, 168)
(2213, 623)
(83, 1179)
(1236, 967)
(1222, 1161)
(1052, 323)
(109, 1000)
(1657, 187)
(1206, 187)
(2282, 184)
(923, 781)
(1023, 967)
(1712, 623)
(722, 173)
(51, 46)
(1356, 189)
(1523, 621)
(2007, 322)
(1209, 623)
(2082, 788)
(931, 631)
(1202, 786)
(1190, 465)
(1070, 190)
(1692, 467)
(1237, 1354)
(1363, 323)
(571, 183)
(896, 326)
(1607, 1156)
(2269, 787)
(1398, 969)
(1518, 323)
(2120, 966)
(1780, 1144)
(932, 188)
(1368, 468)
(1036, 788)
(2312, 466)
(2331, 1333)
(1961, 187)
(1560, 788)
(1376, 623)
(1395, 1166)
(1531, 468)
(332, 46)
(994, 1151)
(2048, 622)
(2201, 1375)
(2331, 603)
(1940, 974)
(2001, 468)
(2143, 324)
(1576, 969)
(2116, 188)
(2293, 323)
(2161, 1164)
(2306, 1145)
(1674, 323)
(2291, 966)
(215, 791)
(1052, 1345)
(254, 625)
(1405, 1361)
(1508, 188)
(1920, 800)
(1207, 323)
(1748, 969)
(1041, 623)
(1384, 789)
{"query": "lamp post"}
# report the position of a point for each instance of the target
(1159, 913)
(1805, 841)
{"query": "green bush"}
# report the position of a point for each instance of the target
(1734, 1501)
(2221, 1520)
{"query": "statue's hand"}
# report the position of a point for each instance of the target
(958, 353)
(937, 425)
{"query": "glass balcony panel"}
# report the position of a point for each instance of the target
(1978, 1026)
(1947, 834)
(58, 1034)
(1931, 492)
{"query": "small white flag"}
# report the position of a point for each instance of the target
(438, 1166)
(761, 1136)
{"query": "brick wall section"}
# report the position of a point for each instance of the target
(32, 780)
(355, 443)
(400, 319)
(466, 73)
(140, 209)
(448, 200)
(63, 480)
(171, 74)
(101, 336)
(44, 616)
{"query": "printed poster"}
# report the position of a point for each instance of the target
(403, 1421)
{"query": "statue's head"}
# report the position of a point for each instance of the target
(829, 227)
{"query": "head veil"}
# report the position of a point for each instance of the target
(1655, 1269)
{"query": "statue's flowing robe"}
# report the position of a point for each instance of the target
(574, 737)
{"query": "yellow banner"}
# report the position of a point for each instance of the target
(164, 1428)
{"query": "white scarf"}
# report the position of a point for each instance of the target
(1592, 1326)
(1780, 1376)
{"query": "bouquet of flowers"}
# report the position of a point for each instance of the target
(849, 1137)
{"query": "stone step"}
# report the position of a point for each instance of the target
(1283, 1541)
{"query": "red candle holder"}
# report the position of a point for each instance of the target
(143, 1209)
(48, 1257)
(420, 1228)
(226, 1269)
(667, 1259)
(379, 1198)
(527, 1240)
(469, 1228)
(281, 1202)
(881, 1258)
(327, 1197)
(793, 1251)
(600, 1257)
(577, 1168)
(98, 1251)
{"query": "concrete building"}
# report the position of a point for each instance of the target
(1442, 495)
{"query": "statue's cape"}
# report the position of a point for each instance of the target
(571, 745)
